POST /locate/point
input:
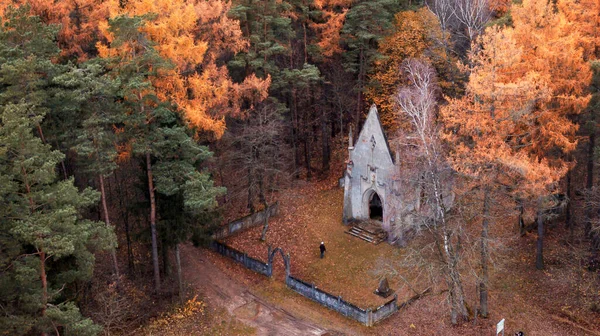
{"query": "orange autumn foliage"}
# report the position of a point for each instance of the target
(334, 13)
(499, 7)
(415, 36)
(79, 21)
(551, 47)
(525, 82)
(587, 15)
(192, 35)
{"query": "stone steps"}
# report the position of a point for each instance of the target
(367, 235)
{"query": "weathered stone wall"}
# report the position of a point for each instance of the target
(369, 170)
(242, 258)
(256, 219)
(372, 165)
(367, 317)
(384, 311)
(330, 301)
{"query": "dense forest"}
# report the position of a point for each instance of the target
(130, 127)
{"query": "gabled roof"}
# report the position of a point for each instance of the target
(373, 114)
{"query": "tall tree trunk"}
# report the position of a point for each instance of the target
(165, 257)
(305, 44)
(130, 264)
(250, 203)
(306, 139)
(539, 259)
(361, 66)
(521, 208)
(44, 280)
(568, 222)
(326, 153)
(62, 162)
(307, 155)
(153, 223)
(458, 309)
(589, 182)
(483, 284)
(341, 116)
(125, 215)
(295, 140)
(263, 235)
(179, 278)
(113, 252)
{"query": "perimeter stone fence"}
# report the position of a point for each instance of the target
(242, 258)
(244, 223)
(367, 317)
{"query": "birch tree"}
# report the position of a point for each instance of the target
(473, 14)
(418, 103)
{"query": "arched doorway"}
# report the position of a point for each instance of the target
(375, 207)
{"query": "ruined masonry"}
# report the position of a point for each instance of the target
(369, 183)
(368, 171)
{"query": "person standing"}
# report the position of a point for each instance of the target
(322, 249)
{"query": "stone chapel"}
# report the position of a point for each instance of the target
(371, 185)
(379, 198)
(369, 168)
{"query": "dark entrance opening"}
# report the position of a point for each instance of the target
(375, 208)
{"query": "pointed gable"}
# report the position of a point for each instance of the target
(372, 136)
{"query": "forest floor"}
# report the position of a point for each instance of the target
(241, 302)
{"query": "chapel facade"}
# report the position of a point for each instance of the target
(376, 190)
(369, 175)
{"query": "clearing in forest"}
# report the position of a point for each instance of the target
(351, 268)
(536, 302)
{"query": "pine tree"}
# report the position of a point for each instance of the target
(49, 242)
(157, 134)
(194, 36)
(366, 24)
(96, 139)
(46, 244)
(80, 23)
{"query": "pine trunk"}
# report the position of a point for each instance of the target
(360, 88)
(153, 224)
(589, 182)
(113, 253)
(539, 260)
(306, 140)
(326, 152)
(307, 155)
(164, 249)
(250, 202)
(263, 200)
(125, 216)
(483, 285)
(458, 308)
(295, 140)
(44, 286)
(179, 278)
(568, 223)
(44, 282)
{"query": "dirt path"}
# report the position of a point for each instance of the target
(221, 290)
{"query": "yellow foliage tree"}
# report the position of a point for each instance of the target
(193, 35)
(78, 19)
(514, 125)
(334, 14)
(417, 35)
